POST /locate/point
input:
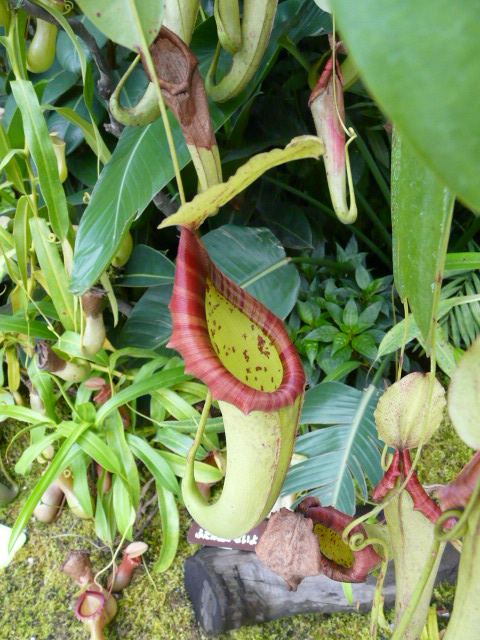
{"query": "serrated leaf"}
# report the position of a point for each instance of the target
(365, 345)
(350, 314)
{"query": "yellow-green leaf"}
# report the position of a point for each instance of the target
(193, 213)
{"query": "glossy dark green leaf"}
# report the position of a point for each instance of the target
(147, 267)
(255, 260)
(289, 224)
(150, 323)
(422, 210)
(420, 61)
(365, 345)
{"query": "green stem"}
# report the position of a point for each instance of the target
(316, 203)
(375, 219)
(377, 174)
(166, 124)
(200, 430)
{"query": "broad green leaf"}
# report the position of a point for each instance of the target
(57, 465)
(137, 389)
(54, 272)
(342, 370)
(424, 83)
(365, 345)
(33, 328)
(147, 267)
(144, 20)
(154, 462)
(168, 509)
(350, 314)
(208, 202)
(337, 454)
(290, 224)
(422, 210)
(149, 326)
(41, 148)
(254, 259)
(325, 333)
(463, 396)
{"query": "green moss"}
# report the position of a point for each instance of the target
(443, 457)
(37, 599)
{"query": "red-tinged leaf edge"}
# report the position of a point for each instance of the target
(365, 560)
(191, 337)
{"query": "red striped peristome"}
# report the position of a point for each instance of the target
(365, 560)
(388, 481)
(421, 500)
(191, 337)
(458, 492)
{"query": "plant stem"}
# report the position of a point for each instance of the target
(375, 219)
(316, 203)
(200, 429)
(377, 174)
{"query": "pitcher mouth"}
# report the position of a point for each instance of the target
(265, 375)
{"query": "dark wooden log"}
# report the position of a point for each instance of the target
(230, 589)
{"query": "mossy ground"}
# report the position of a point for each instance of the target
(37, 600)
